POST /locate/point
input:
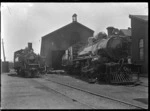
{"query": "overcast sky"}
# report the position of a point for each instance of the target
(28, 22)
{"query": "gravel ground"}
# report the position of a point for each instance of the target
(40, 93)
(126, 93)
(21, 93)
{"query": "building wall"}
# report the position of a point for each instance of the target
(62, 39)
(139, 30)
(146, 49)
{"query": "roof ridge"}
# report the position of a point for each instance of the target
(57, 29)
(67, 26)
(140, 17)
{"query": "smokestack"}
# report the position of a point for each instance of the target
(110, 30)
(30, 45)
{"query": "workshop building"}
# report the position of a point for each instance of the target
(139, 47)
(54, 44)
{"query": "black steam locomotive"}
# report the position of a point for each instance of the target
(104, 57)
(27, 63)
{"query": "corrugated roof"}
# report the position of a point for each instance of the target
(140, 17)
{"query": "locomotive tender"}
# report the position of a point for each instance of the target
(27, 63)
(104, 57)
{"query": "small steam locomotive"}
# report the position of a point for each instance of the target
(105, 58)
(27, 63)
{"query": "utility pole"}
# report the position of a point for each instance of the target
(3, 50)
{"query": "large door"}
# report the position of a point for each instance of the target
(57, 59)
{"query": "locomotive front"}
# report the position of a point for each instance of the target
(105, 53)
(32, 65)
(26, 62)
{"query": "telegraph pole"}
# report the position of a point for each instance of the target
(5, 65)
(3, 50)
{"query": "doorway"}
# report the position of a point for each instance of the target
(57, 59)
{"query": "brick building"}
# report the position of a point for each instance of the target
(54, 44)
(139, 29)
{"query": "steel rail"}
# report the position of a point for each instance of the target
(114, 99)
(143, 85)
(65, 95)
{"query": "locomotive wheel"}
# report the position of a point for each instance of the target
(102, 77)
(28, 74)
(22, 73)
(34, 74)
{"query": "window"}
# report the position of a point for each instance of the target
(16, 59)
(141, 49)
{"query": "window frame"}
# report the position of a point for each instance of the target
(141, 49)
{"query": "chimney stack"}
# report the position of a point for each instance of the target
(30, 45)
(110, 30)
(74, 18)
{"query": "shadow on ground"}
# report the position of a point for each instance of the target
(16, 75)
(85, 79)
(100, 82)
(13, 75)
(142, 100)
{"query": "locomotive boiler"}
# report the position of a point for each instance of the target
(104, 57)
(27, 63)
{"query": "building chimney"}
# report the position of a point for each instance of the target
(110, 30)
(74, 18)
(30, 45)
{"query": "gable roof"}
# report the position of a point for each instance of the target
(139, 17)
(68, 25)
(126, 32)
(18, 51)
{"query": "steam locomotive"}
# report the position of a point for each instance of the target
(104, 57)
(27, 63)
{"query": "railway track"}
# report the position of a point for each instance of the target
(99, 95)
(91, 93)
(143, 85)
(51, 89)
